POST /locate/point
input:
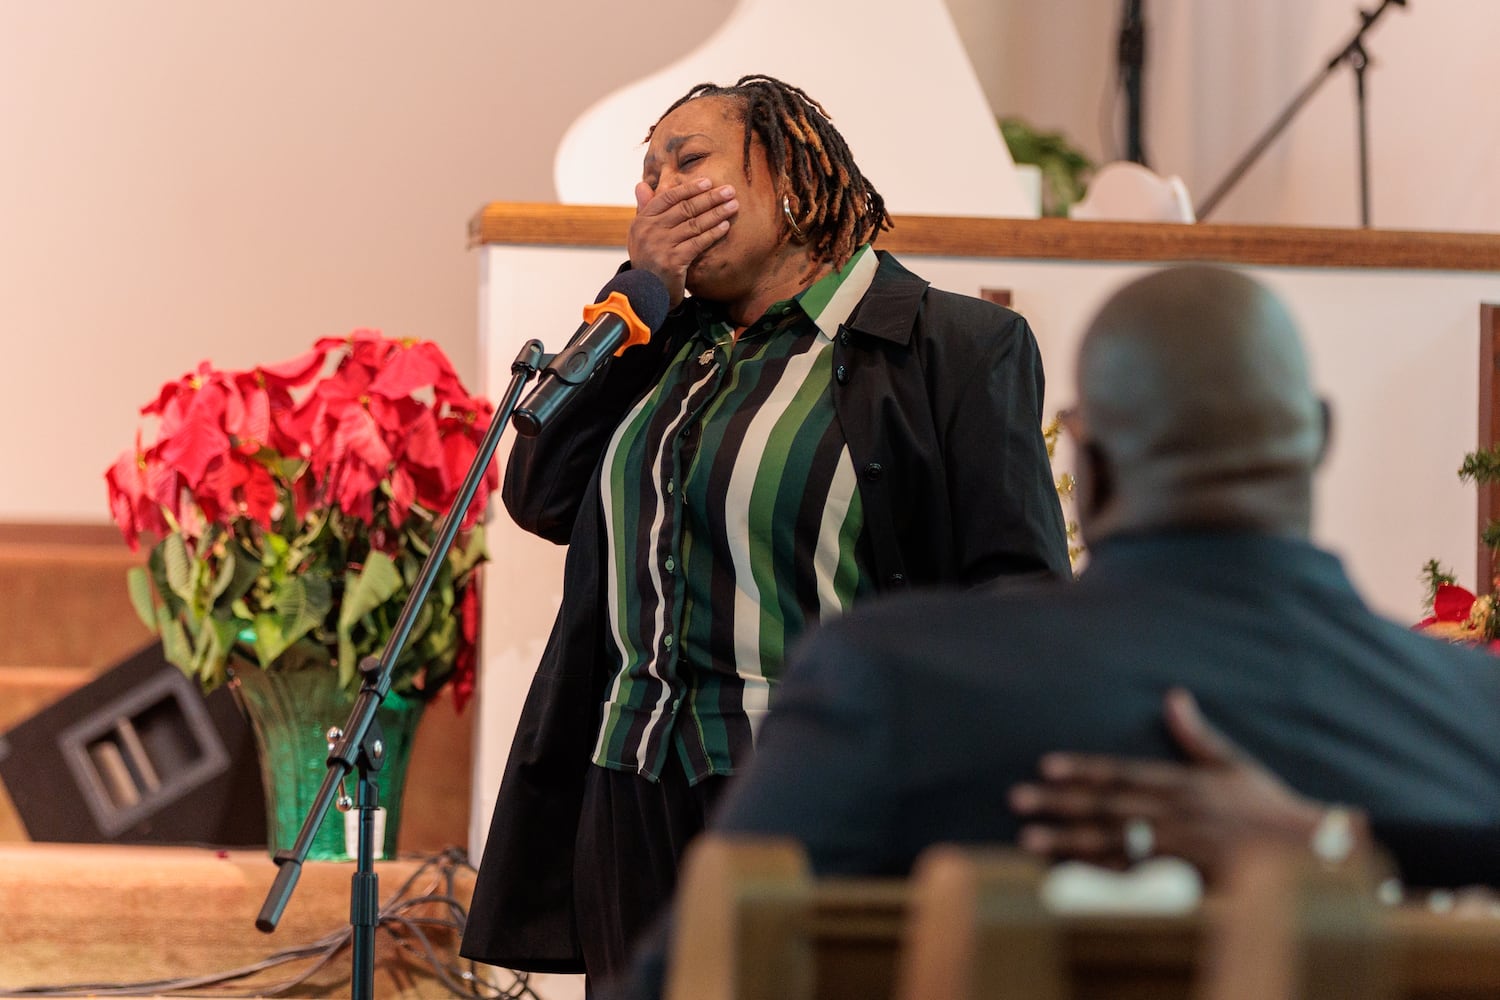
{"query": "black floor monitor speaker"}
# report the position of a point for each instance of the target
(137, 756)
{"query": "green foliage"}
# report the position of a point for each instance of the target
(1434, 575)
(1065, 170)
(1481, 467)
(305, 595)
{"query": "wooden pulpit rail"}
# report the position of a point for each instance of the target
(527, 223)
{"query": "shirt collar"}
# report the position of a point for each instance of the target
(828, 302)
(831, 299)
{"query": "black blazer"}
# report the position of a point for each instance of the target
(940, 399)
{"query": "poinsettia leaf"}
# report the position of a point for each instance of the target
(178, 566)
(224, 577)
(250, 423)
(421, 623)
(424, 445)
(138, 583)
(467, 552)
(359, 433)
(259, 494)
(402, 492)
(408, 369)
(377, 582)
(193, 447)
(156, 564)
(298, 606)
(348, 658)
(238, 571)
(246, 572)
(174, 643)
(302, 602)
(295, 371)
(270, 640)
(214, 642)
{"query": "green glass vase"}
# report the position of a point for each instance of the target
(290, 713)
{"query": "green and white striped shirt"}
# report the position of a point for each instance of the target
(733, 520)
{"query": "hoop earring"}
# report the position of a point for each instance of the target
(798, 236)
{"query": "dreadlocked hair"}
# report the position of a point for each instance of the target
(836, 208)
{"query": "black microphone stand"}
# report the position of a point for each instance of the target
(359, 745)
(1131, 59)
(1358, 59)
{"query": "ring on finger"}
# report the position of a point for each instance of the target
(1140, 839)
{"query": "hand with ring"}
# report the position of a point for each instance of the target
(1115, 811)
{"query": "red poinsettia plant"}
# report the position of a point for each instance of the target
(292, 506)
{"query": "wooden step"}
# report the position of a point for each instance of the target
(24, 691)
(130, 915)
(63, 595)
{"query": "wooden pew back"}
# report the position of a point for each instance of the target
(754, 924)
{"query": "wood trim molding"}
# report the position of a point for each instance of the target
(532, 223)
(1488, 507)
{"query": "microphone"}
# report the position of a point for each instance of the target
(627, 312)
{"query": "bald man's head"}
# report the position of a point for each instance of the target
(1196, 409)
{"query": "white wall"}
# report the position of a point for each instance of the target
(181, 181)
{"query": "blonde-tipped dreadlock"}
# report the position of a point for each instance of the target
(835, 207)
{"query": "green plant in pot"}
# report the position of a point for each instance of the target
(291, 507)
(1065, 169)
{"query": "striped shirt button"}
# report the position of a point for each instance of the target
(670, 487)
(671, 564)
(668, 641)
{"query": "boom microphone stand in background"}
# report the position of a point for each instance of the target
(1358, 59)
(1131, 61)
